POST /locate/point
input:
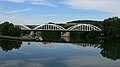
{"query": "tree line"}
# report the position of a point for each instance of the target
(110, 28)
(9, 29)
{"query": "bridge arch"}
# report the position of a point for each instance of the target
(24, 27)
(84, 27)
(49, 27)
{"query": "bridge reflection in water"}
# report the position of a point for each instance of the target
(51, 45)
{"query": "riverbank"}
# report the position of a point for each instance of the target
(17, 38)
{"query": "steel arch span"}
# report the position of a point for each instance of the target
(84, 27)
(24, 27)
(49, 27)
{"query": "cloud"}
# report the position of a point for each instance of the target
(17, 11)
(41, 2)
(111, 6)
(50, 45)
(14, 18)
(31, 19)
(14, 0)
(35, 2)
(89, 61)
(20, 63)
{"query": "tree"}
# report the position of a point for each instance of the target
(8, 29)
(112, 27)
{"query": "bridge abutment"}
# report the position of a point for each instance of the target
(65, 34)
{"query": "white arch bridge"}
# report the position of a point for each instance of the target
(64, 32)
(54, 27)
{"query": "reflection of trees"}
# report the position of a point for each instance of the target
(111, 49)
(7, 45)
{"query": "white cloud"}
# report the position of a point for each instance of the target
(111, 6)
(26, 19)
(17, 63)
(35, 2)
(16, 11)
(90, 61)
(41, 2)
(14, 0)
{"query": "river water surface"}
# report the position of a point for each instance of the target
(59, 54)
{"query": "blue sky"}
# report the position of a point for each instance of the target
(44, 11)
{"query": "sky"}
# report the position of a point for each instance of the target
(57, 11)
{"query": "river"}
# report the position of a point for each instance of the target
(59, 54)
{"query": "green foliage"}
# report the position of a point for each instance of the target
(51, 23)
(51, 36)
(85, 21)
(112, 27)
(84, 36)
(7, 45)
(67, 26)
(8, 29)
(93, 35)
(111, 49)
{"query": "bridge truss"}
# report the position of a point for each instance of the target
(54, 27)
(49, 27)
(84, 27)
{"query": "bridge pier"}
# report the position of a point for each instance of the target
(32, 33)
(65, 34)
(67, 39)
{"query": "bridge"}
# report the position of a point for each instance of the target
(64, 32)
